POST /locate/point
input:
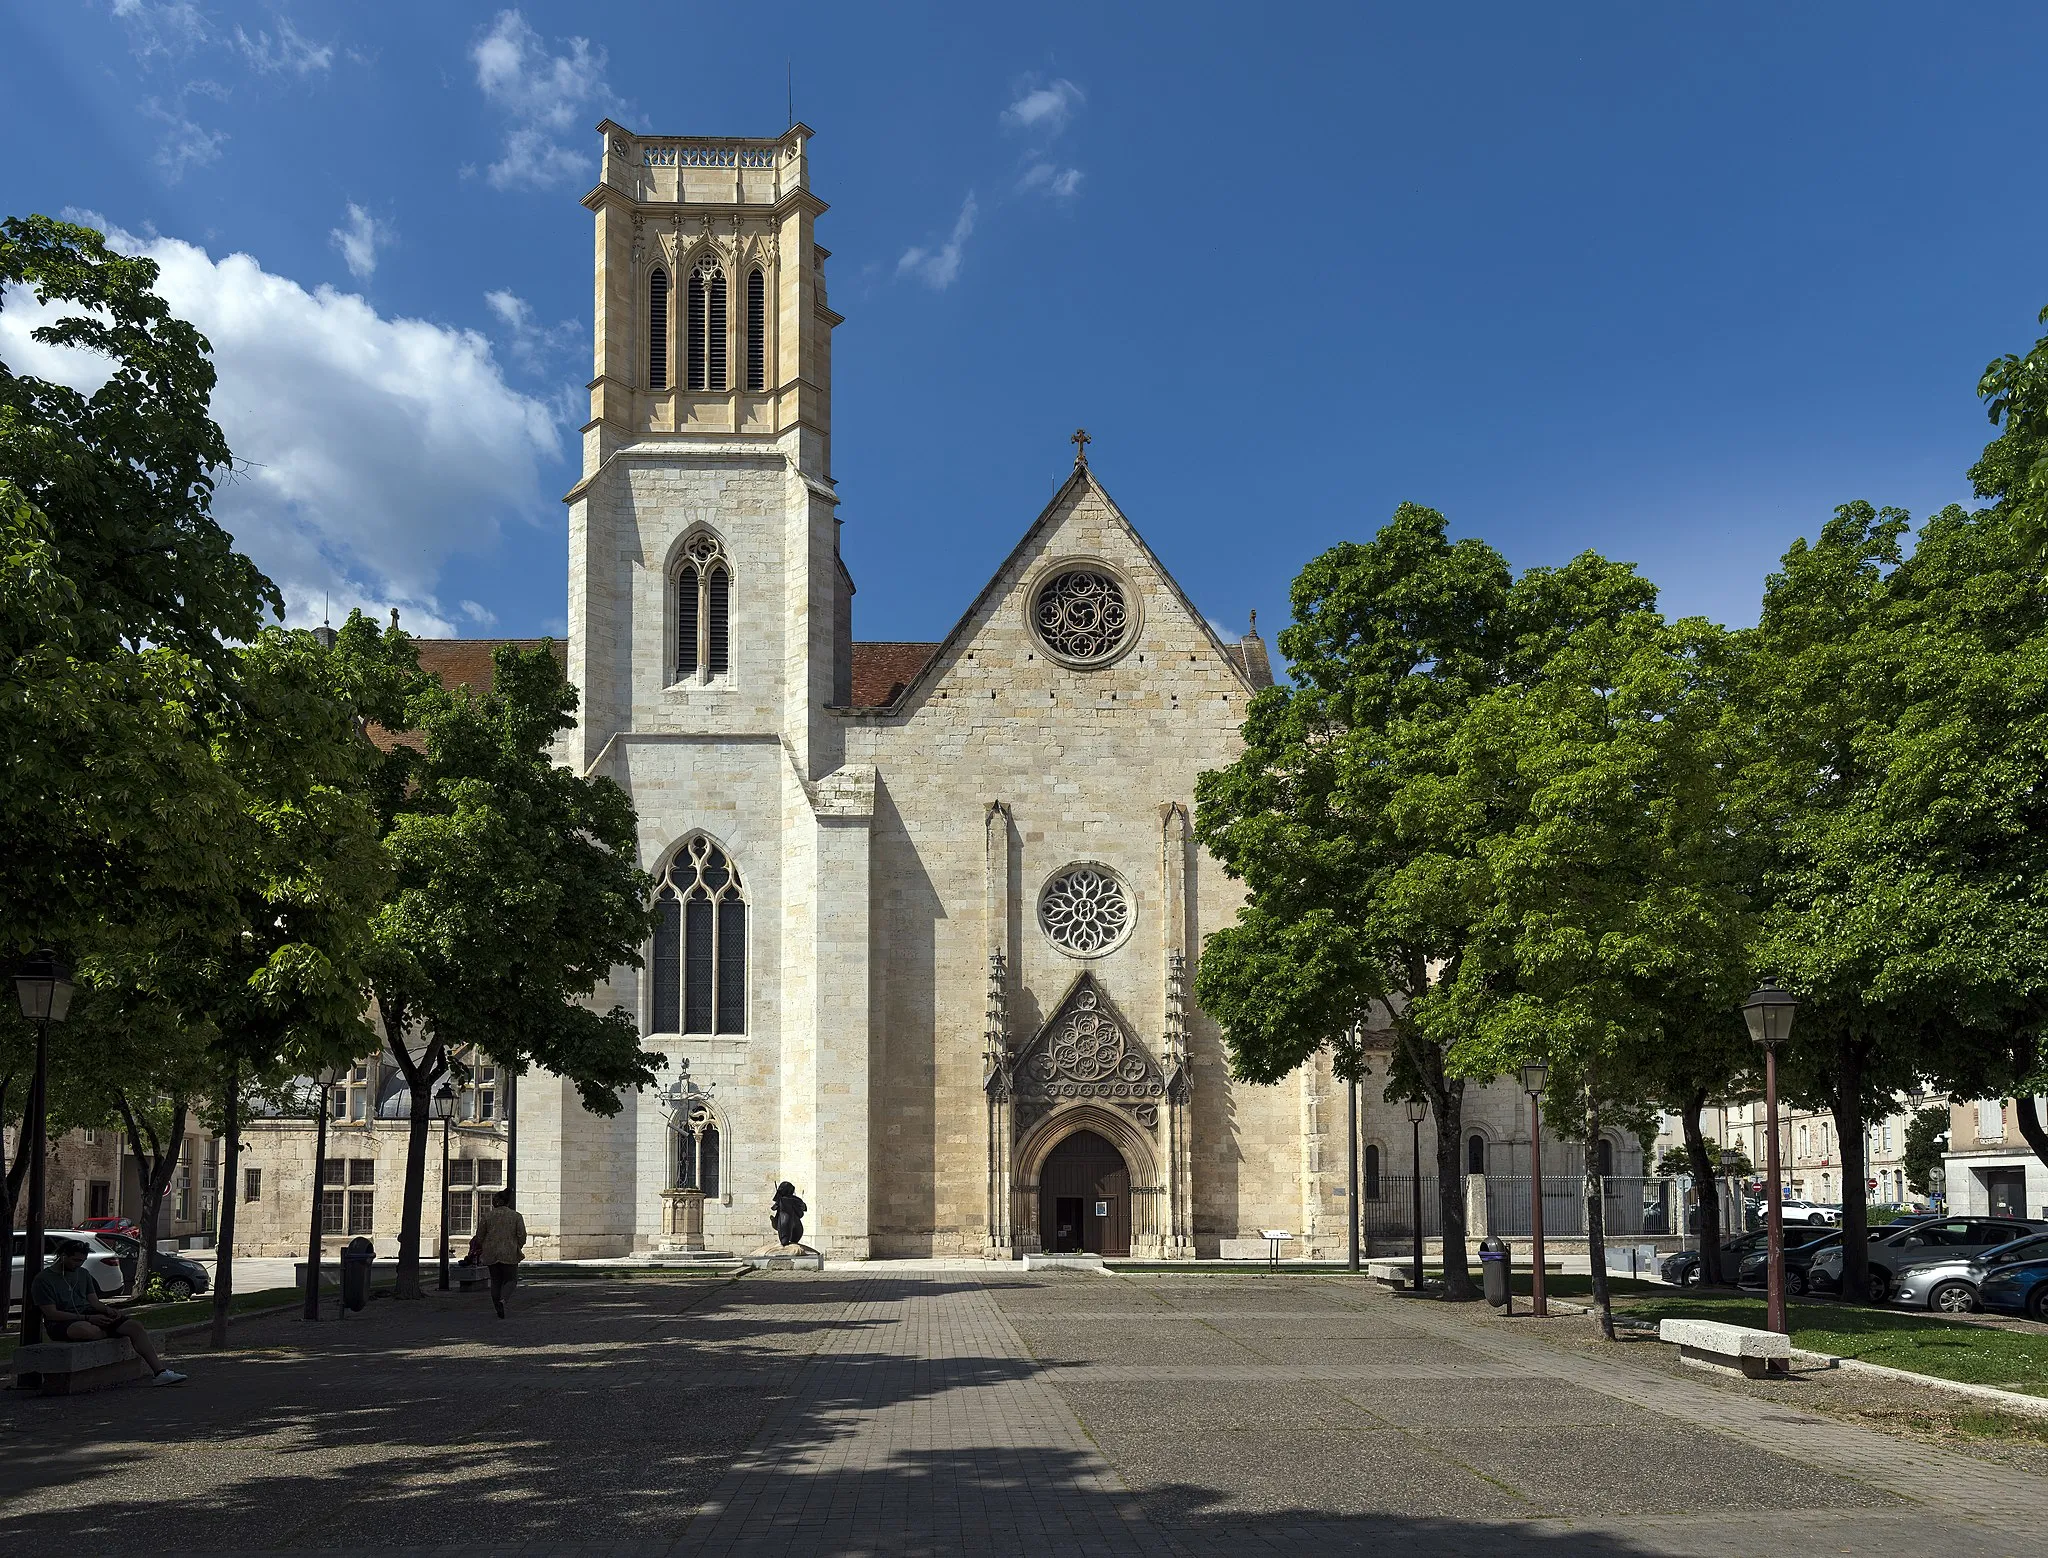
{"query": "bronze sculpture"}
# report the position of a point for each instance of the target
(787, 1214)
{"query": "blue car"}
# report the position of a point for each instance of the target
(2019, 1289)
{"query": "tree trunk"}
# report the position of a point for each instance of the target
(154, 1170)
(224, 1251)
(2029, 1115)
(1446, 1097)
(1847, 1108)
(1709, 1188)
(420, 1075)
(1596, 1218)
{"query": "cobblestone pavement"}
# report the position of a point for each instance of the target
(942, 1412)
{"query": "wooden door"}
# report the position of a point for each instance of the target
(1087, 1168)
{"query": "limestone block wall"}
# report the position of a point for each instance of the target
(1083, 759)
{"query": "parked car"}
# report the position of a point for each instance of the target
(120, 1225)
(1893, 1249)
(101, 1263)
(1799, 1257)
(182, 1277)
(1683, 1269)
(1950, 1283)
(1812, 1213)
(2018, 1289)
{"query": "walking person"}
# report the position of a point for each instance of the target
(501, 1245)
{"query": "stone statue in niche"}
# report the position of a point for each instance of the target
(786, 1215)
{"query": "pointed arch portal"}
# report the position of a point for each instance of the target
(1084, 1197)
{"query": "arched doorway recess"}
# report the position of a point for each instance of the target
(1084, 1197)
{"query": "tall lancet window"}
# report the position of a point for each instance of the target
(707, 323)
(703, 611)
(700, 944)
(657, 329)
(757, 330)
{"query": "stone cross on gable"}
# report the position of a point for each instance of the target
(1080, 441)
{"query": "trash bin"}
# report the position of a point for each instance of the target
(356, 1261)
(1495, 1268)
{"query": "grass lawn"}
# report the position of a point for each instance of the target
(1947, 1349)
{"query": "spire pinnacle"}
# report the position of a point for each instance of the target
(1080, 441)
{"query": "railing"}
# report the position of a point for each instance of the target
(701, 154)
(1631, 1206)
(1386, 1207)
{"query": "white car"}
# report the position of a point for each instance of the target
(1812, 1213)
(101, 1262)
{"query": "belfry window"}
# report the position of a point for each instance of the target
(657, 329)
(707, 324)
(700, 944)
(703, 611)
(757, 330)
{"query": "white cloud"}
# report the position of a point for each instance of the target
(532, 344)
(938, 268)
(360, 240)
(1044, 110)
(368, 449)
(170, 29)
(543, 94)
(185, 144)
(1046, 178)
(291, 52)
(482, 616)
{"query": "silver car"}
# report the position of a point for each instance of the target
(1950, 1284)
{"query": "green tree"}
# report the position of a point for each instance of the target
(516, 894)
(1926, 1144)
(1612, 923)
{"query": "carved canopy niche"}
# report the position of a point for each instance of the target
(1085, 1052)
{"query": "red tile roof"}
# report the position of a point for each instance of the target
(882, 670)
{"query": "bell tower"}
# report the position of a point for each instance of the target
(710, 308)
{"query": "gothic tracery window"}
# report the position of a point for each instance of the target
(703, 611)
(657, 329)
(700, 944)
(707, 323)
(1081, 615)
(1084, 911)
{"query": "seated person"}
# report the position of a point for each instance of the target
(72, 1311)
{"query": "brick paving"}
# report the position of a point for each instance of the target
(870, 1413)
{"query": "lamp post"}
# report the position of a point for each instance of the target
(1534, 1076)
(316, 1232)
(1351, 1137)
(1768, 1011)
(44, 990)
(444, 1111)
(1416, 1110)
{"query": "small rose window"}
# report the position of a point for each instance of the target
(1081, 615)
(1084, 911)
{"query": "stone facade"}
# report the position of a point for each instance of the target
(972, 898)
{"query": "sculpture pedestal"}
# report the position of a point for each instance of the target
(786, 1257)
(682, 1221)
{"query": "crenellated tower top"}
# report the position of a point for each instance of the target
(711, 320)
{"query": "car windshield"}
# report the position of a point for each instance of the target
(2033, 1247)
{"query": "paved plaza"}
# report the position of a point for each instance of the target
(966, 1412)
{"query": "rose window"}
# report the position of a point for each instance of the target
(1081, 615)
(1084, 911)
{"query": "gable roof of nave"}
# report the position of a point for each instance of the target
(1246, 659)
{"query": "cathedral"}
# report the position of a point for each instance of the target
(927, 914)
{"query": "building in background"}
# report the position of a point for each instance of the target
(1992, 1172)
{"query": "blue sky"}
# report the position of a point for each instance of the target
(1666, 282)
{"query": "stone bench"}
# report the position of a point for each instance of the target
(73, 1368)
(1713, 1344)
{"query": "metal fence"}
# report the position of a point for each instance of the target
(1631, 1206)
(1386, 1207)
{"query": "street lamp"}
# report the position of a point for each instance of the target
(1534, 1076)
(1351, 1135)
(444, 1111)
(1768, 1011)
(44, 990)
(1416, 1110)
